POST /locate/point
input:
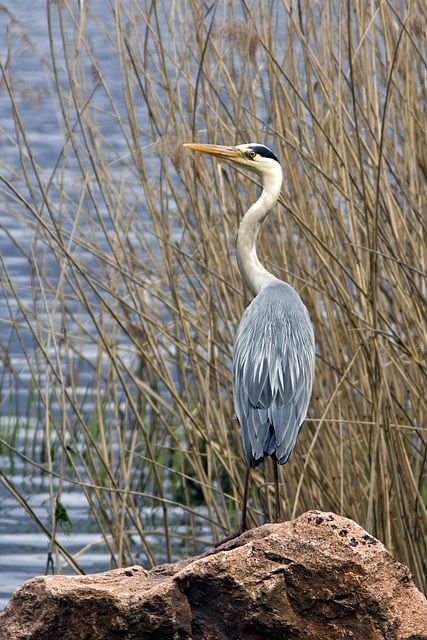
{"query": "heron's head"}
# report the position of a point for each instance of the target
(253, 156)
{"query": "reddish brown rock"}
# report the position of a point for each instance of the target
(318, 577)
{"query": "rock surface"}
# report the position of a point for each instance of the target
(318, 577)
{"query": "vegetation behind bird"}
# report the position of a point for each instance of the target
(145, 295)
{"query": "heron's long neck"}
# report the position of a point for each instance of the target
(254, 274)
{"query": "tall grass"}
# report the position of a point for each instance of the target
(128, 325)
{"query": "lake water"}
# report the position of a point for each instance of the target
(24, 39)
(24, 550)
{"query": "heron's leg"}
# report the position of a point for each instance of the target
(278, 517)
(243, 524)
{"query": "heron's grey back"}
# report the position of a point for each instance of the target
(273, 369)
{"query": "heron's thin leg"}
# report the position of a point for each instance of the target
(278, 517)
(243, 524)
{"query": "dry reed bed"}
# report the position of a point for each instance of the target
(340, 95)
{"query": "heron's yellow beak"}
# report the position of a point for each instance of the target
(218, 150)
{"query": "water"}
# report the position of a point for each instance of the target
(24, 547)
(24, 550)
(24, 44)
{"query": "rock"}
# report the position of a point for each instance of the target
(318, 577)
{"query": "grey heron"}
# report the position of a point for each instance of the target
(273, 355)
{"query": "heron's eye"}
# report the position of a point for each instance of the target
(250, 154)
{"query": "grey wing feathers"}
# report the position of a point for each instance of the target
(273, 369)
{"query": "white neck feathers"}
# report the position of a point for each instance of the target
(254, 274)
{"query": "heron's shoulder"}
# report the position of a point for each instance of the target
(278, 306)
(277, 291)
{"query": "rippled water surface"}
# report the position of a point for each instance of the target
(24, 548)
